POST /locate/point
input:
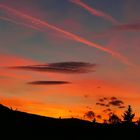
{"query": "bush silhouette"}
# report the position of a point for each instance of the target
(114, 119)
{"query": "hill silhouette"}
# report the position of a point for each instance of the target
(17, 122)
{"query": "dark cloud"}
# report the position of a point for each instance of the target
(70, 111)
(61, 67)
(116, 103)
(88, 107)
(113, 98)
(89, 115)
(107, 110)
(48, 82)
(86, 96)
(105, 98)
(107, 105)
(101, 100)
(101, 104)
(99, 116)
(121, 106)
(112, 101)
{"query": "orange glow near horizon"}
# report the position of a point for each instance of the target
(73, 103)
(57, 111)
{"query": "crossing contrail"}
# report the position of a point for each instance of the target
(95, 12)
(43, 24)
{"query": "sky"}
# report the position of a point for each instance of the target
(70, 58)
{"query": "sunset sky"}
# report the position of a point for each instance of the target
(70, 58)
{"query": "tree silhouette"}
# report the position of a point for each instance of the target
(138, 122)
(94, 121)
(128, 115)
(114, 119)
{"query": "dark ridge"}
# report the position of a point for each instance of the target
(21, 123)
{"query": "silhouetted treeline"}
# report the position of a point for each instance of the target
(21, 123)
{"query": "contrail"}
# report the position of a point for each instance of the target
(94, 11)
(20, 23)
(38, 22)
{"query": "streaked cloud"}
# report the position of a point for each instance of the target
(60, 67)
(48, 82)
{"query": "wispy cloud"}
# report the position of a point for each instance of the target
(127, 27)
(48, 82)
(60, 67)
